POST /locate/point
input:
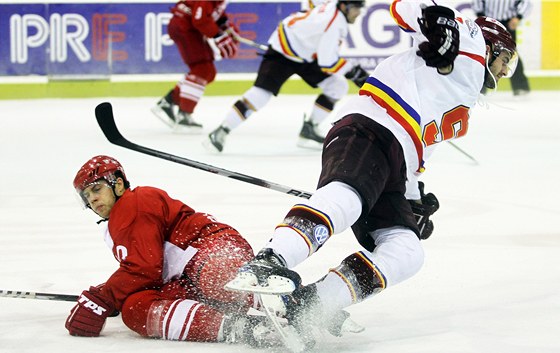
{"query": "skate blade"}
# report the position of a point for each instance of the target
(247, 282)
(351, 326)
(161, 115)
(187, 129)
(288, 333)
(209, 146)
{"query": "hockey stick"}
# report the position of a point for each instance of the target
(106, 121)
(37, 295)
(463, 152)
(249, 42)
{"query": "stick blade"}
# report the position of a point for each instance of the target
(106, 121)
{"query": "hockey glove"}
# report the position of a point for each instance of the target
(423, 209)
(223, 45)
(357, 75)
(227, 26)
(88, 317)
(442, 31)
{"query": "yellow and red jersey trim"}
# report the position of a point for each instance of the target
(335, 67)
(398, 19)
(285, 43)
(399, 110)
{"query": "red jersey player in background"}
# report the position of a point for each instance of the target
(202, 33)
(174, 263)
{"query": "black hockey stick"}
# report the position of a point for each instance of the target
(37, 295)
(106, 121)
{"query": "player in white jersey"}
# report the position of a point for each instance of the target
(412, 102)
(307, 44)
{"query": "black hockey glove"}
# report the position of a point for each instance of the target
(357, 75)
(442, 31)
(422, 211)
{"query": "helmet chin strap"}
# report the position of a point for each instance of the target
(489, 79)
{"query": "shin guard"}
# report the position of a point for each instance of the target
(361, 276)
(314, 226)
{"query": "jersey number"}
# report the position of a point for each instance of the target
(454, 123)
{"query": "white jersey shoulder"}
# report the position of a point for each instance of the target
(314, 34)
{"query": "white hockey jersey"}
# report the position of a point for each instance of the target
(314, 34)
(418, 105)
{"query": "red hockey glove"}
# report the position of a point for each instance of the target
(224, 44)
(88, 317)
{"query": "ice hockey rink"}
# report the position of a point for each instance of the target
(491, 279)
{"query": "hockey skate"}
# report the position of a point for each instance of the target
(297, 316)
(185, 123)
(216, 139)
(165, 110)
(266, 274)
(309, 136)
(253, 330)
(172, 116)
(303, 310)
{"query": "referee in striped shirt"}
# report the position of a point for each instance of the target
(509, 13)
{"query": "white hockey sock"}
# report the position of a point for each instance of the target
(290, 245)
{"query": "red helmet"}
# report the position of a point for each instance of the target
(498, 38)
(99, 167)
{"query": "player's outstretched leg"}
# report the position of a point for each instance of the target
(266, 273)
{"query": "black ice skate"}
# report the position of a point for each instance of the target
(172, 116)
(309, 136)
(165, 110)
(266, 273)
(185, 122)
(216, 139)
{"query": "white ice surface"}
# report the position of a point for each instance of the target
(491, 281)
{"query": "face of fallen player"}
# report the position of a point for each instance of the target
(100, 196)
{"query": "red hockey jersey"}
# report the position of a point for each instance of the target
(149, 234)
(200, 15)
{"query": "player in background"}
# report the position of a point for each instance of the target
(372, 158)
(202, 33)
(509, 13)
(306, 43)
(173, 264)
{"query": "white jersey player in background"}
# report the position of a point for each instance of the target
(371, 161)
(305, 43)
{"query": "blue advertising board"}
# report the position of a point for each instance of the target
(105, 38)
(115, 38)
